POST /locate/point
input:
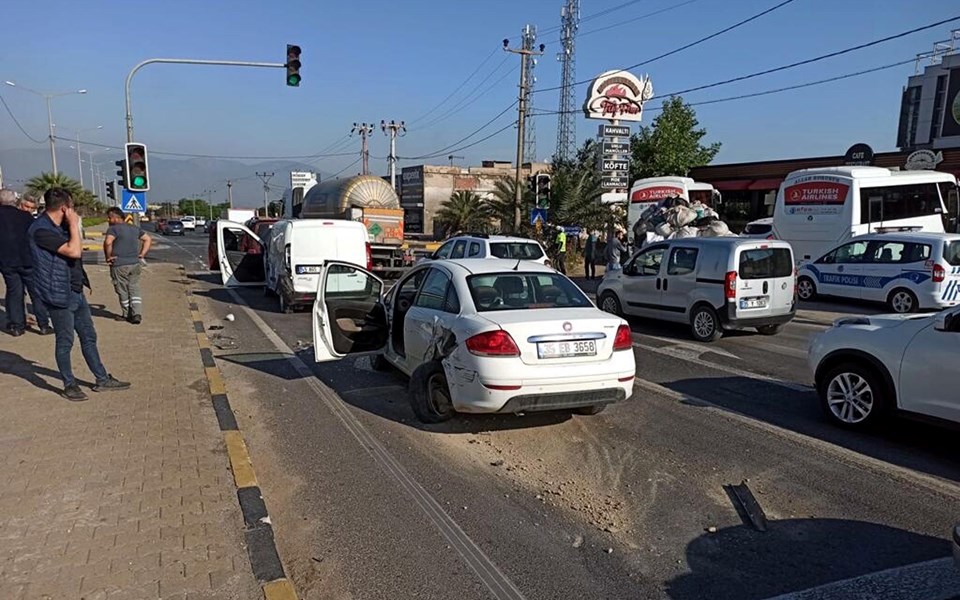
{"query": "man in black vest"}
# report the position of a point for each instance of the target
(58, 260)
(16, 265)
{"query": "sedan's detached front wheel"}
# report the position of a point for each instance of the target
(853, 395)
(430, 394)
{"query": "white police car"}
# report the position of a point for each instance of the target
(908, 271)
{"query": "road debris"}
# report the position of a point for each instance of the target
(746, 504)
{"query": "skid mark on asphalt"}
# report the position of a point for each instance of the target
(499, 585)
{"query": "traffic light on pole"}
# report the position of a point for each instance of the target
(136, 167)
(293, 65)
(543, 192)
(532, 189)
(111, 190)
(122, 173)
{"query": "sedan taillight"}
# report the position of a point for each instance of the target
(623, 339)
(493, 343)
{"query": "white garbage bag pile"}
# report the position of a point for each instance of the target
(677, 218)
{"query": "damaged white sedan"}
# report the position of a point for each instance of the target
(478, 336)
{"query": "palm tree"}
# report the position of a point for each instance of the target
(465, 211)
(503, 204)
(576, 197)
(41, 183)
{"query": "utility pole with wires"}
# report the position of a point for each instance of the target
(230, 193)
(530, 124)
(363, 130)
(453, 156)
(525, 54)
(566, 125)
(265, 178)
(392, 129)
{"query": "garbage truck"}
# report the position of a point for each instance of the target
(364, 198)
(650, 191)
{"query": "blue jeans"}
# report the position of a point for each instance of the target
(612, 266)
(17, 280)
(76, 317)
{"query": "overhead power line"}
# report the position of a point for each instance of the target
(457, 89)
(19, 126)
(337, 174)
(691, 44)
(475, 132)
(776, 90)
(471, 97)
(192, 155)
(470, 145)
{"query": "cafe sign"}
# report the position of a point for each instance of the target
(617, 96)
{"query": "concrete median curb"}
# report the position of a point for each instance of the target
(258, 530)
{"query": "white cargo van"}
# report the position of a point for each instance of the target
(291, 263)
(712, 284)
(819, 209)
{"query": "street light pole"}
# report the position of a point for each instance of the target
(525, 53)
(49, 100)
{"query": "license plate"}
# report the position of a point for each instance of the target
(753, 303)
(308, 269)
(567, 349)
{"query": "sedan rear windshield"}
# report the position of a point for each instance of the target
(766, 263)
(518, 291)
(951, 253)
(516, 250)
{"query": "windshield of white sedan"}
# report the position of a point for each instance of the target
(517, 291)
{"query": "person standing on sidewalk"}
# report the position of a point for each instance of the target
(615, 250)
(16, 265)
(58, 260)
(28, 204)
(590, 256)
(124, 246)
(561, 247)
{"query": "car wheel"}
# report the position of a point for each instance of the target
(806, 289)
(380, 363)
(903, 301)
(595, 409)
(704, 324)
(430, 394)
(769, 329)
(853, 395)
(611, 304)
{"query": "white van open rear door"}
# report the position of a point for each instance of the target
(239, 266)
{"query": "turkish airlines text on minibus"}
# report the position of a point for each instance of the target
(818, 209)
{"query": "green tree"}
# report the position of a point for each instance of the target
(44, 181)
(672, 144)
(465, 211)
(503, 204)
(193, 206)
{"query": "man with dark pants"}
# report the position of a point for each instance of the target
(561, 246)
(590, 256)
(58, 260)
(16, 264)
(124, 246)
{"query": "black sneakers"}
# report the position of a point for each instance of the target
(111, 384)
(46, 330)
(136, 319)
(74, 393)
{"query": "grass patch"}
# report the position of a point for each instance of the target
(93, 221)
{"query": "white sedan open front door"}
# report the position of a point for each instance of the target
(349, 317)
(240, 253)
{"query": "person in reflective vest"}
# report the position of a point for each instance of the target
(561, 248)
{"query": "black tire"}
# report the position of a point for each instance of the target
(379, 363)
(595, 409)
(903, 301)
(830, 387)
(769, 329)
(806, 289)
(611, 304)
(705, 324)
(429, 394)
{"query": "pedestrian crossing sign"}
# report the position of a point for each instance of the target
(133, 202)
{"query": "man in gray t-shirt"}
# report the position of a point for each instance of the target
(124, 246)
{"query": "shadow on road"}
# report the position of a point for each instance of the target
(29, 371)
(793, 555)
(907, 443)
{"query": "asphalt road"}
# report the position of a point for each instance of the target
(633, 503)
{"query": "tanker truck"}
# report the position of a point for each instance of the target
(364, 198)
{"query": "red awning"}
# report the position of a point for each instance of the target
(765, 184)
(732, 184)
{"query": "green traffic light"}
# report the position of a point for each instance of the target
(139, 181)
(293, 80)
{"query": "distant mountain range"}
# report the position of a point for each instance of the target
(171, 179)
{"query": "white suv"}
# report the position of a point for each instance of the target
(189, 223)
(865, 367)
(480, 245)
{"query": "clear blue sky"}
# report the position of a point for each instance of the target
(377, 59)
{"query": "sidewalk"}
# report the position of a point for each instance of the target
(129, 494)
